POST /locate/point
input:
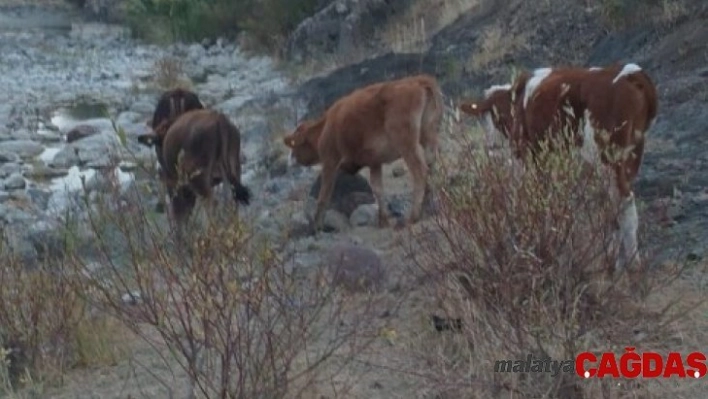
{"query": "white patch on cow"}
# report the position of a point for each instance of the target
(538, 76)
(495, 88)
(565, 88)
(638, 135)
(589, 150)
(627, 70)
(569, 110)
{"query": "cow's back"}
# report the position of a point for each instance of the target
(195, 134)
(363, 127)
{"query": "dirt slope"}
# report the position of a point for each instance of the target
(483, 45)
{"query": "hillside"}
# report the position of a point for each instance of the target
(100, 300)
(482, 45)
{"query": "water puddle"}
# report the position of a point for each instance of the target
(48, 154)
(64, 188)
(66, 117)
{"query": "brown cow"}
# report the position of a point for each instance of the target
(203, 147)
(608, 110)
(170, 105)
(173, 103)
(372, 126)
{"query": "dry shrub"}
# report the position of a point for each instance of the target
(522, 254)
(46, 327)
(169, 74)
(232, 311)
(496, 44)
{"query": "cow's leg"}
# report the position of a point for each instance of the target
(628, 220)
(376, 178)
(415, 160)
(201, 185)
(183, 203)
(329, 173)
(431, 155)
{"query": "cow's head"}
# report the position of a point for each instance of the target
(303, 142)
(173, 103)
(155, 136)
(495, 111)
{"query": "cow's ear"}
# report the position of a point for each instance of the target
(148, 139)
(474, 108)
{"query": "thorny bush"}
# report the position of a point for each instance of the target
(234, 313)
(521, 252)
(44, 323)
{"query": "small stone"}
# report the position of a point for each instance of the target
(398, 171)
(15, 182)
(356, 268)
(335, 221)
(131, 298)
(8, 157)
(22, 148)
(365, 215)
(79, 132)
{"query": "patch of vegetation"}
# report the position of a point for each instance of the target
(523, 254)
(266, 22)
(47, 327)
(411, 31)
(622, 13)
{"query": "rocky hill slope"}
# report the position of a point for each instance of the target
(482, 45)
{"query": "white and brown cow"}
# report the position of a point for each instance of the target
(608, 110)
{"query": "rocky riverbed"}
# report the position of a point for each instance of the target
(64, 81)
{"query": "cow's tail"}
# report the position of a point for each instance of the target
(434, 107)
(240, 192)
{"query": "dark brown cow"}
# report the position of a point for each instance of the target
(173, 103)
(608, 110)
(170, 105)
(203, 147)
(372, 126)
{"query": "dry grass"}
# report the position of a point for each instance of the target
(321, 65)
(169, 74)
(620, 13)
(523, 259)
(496, 44)
(411, 31)
(672, 10)
(47, 328)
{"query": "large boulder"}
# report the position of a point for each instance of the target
(350, 191)
(356, 268)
